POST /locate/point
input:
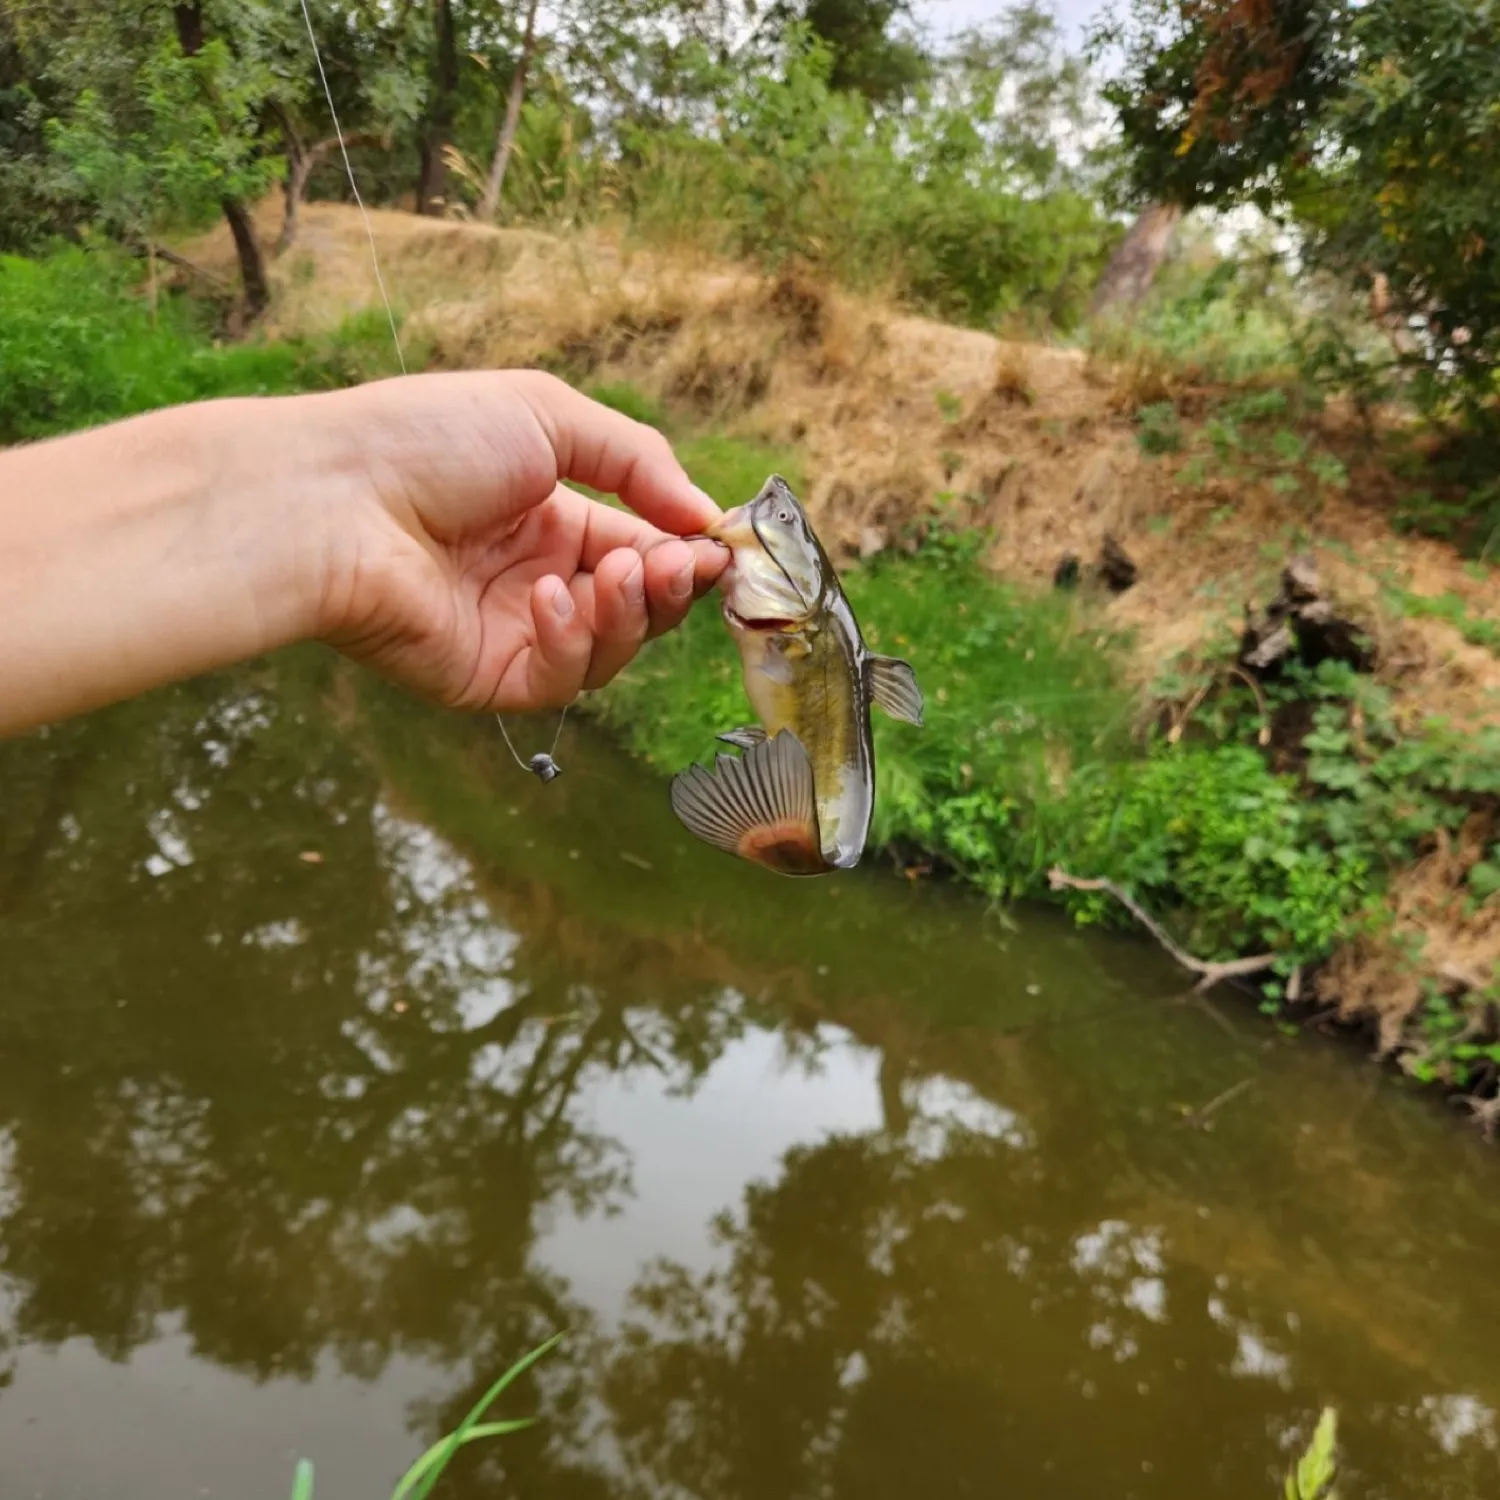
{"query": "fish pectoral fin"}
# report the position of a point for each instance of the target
(746, 737)
(761, 806)
(893, 685)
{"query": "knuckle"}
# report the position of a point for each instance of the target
(654, 444)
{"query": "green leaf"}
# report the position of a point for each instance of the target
(1314, 1474)
(302, 1484)
(440, 1450)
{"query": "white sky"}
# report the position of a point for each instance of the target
(953, 15)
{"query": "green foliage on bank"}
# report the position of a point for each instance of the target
(80, 344)
(1033, 754)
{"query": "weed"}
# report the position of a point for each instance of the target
(1012, 378)
(949, 406)
(418, 1481)
(1158, 429)
(1212, 833)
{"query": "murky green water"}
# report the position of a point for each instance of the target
(841, 1189)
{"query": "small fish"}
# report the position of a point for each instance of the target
(800, 799)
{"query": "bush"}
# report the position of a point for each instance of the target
(1211, 831)
(79, 346)
(921, 201)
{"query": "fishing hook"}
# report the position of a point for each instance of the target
(542, 764)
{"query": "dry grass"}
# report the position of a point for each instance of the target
(1459, 943)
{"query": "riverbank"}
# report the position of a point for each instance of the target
(1318, 811)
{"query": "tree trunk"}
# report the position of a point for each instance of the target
(252, 262)
(489, 201)
(432, 176)
(189, 22)
(300, 167)
(151, 277)
(1133, 267)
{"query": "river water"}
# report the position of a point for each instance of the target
(341, 1063)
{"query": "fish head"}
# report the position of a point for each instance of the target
(778, 575)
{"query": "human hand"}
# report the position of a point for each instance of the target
(460, 564)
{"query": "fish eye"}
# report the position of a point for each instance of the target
(784, 516)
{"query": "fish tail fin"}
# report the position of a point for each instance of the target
(761, 806)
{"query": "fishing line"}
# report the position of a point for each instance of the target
(543, 764)
(338, 131)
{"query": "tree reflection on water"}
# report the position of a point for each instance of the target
(333, 1105)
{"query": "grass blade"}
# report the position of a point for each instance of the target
(418, 1481)
(482, 1430)
(302, 1484)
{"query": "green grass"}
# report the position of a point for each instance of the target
(1450, 608)
(79, 346)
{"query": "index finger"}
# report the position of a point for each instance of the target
(608, 451)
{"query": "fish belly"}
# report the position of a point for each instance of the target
(814, 698)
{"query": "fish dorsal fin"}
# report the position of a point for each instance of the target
(746, 737)
(761, 806)
(893, 685)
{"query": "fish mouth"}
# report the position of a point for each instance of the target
(757, 622)
(731, 529)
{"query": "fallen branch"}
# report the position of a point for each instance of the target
(191, 267)
(1228, 669)
(1209, 972)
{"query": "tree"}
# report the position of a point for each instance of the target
(157, 117)
(1371, 129)
(235, 119)
(489, 200)
(375, 62)
(1216, 99)
(185, 157)
(869, 55)
(1138, 257)
(31, 203)
(437, 132)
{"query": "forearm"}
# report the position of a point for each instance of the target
(148, 551)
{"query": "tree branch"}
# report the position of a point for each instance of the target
(300, 167)
(1209, 973)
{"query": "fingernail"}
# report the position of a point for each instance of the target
(680, 585)
(562, 602)
(635, 585)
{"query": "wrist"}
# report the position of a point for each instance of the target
(278, 480)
